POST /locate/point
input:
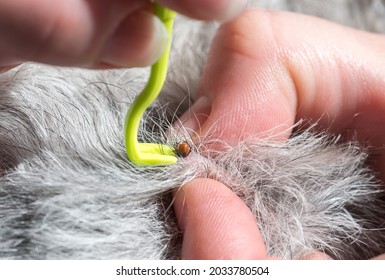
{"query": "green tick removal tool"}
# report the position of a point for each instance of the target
(146, 154)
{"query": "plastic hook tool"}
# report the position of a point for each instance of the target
(147, 154)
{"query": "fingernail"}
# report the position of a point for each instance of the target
(234, 8)
(159, 42)
(197, 115)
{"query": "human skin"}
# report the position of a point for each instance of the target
(279, 68)
(93, 33)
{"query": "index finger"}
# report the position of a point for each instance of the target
(74, 32)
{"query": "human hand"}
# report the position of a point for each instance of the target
(279, 68)
(97, 33)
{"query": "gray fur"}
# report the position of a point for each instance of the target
(68, 191)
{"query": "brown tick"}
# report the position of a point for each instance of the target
(183, 149)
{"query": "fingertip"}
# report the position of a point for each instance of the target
(195, 116)
(139, 41)
(216, 223)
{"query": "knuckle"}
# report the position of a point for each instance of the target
(251, 34)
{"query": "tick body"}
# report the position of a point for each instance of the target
(183, 149)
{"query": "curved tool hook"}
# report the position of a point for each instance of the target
(146, 154)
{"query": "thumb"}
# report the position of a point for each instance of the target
(266, 70)
(244, 89)
(216, 224)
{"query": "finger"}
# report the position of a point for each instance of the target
(79, 32)
(140, 40)
(245, 88)
(7, 68)
(281, 67)
(207, 9)
(216, 224)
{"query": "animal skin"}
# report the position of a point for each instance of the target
(67, 190)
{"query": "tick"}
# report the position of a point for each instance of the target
(183, 149)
